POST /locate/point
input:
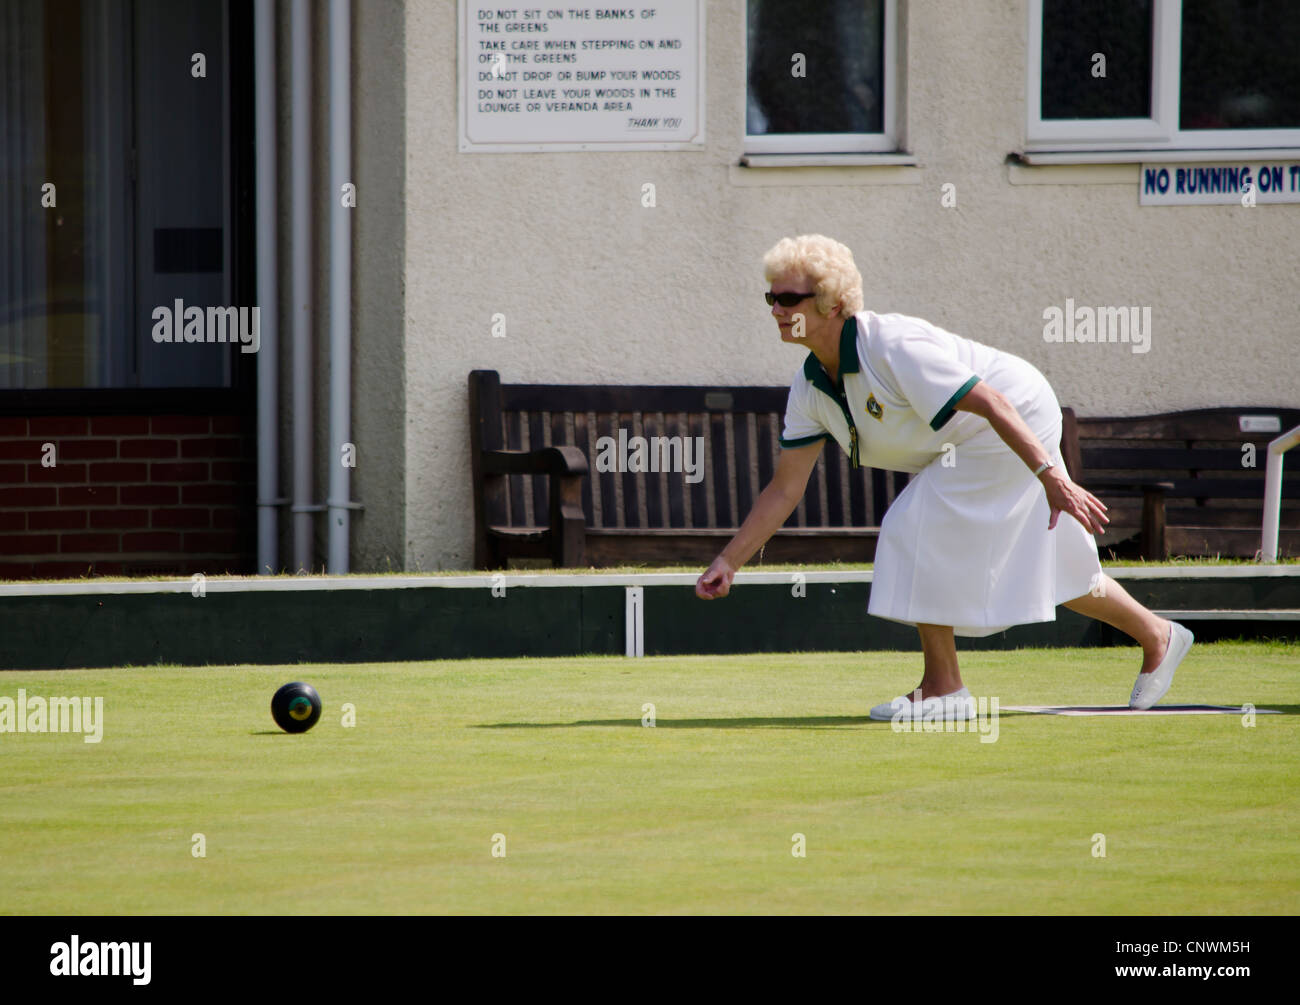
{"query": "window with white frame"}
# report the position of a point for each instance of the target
(1163, 74)
(820, 76)
(124, 184)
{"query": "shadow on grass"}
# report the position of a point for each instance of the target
(804, 722)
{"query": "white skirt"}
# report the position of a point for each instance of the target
(968, 545)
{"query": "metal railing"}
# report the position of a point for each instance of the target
(1273, 493)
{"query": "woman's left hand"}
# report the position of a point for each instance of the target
(1063, 496)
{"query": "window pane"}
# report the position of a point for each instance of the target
(1084, 39)
(182, 205)
(1241, 65)
(842, 87)
(89, 251)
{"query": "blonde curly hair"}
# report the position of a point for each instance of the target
(827, 264)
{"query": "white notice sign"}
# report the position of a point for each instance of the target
(1248, 183)
(581, 77)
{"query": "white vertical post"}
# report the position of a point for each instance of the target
(1273, 493)
(635, 620)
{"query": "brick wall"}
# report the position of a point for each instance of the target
(127, 495)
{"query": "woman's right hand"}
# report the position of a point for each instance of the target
(716, 580)
(1064, 496)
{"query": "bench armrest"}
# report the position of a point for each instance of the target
(546, 461)
(568, 467)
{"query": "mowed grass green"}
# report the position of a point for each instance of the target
(697, 815)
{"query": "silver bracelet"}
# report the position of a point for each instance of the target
(1043, 467)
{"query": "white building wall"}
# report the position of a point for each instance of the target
(597, 289)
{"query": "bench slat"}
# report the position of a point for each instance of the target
(745, 464)
(814, 498)
(729, 532)
(699, 491)
(1124, 520)
(608, 487)
(1200, 488)
(1236, 541)
(631, 480)
(515, 441)
(1231, 488)
(676, 479)
(1201, 424)
(900, 479)
(652, 424)
(861, 487)
(721, 474)
(640, 397)
(811, 544)
(582, 440)
(1169, 459)
(879, 499)
(540, 483)
(768, 429)
(558, 433)
(834, 486)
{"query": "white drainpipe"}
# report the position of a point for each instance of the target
(301, 319)
(339, 499)
(268, 369)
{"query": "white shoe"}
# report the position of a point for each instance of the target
(1151, 687)
(949, 708)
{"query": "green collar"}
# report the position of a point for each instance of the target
(812, 368)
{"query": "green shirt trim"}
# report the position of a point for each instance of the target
(804, 441)
(949, 407)
(812, 369)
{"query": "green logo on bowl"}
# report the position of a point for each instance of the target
(300, 708)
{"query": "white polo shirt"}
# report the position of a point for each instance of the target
(965, 544)
(902, 378)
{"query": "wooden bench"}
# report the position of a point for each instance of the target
(540, 493)
(1181, 483)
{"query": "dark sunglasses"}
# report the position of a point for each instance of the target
(786, 299)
